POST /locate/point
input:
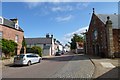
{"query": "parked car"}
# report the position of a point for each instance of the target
(62, 52)
(58, 53)
(26, 59)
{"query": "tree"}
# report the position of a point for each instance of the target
(76, 38)
(8, 47)
(37, 50)
(24, 45)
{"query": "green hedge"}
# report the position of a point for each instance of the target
(34, 49)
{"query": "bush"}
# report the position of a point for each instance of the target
(8, 47)
(29, 50)
(37, 50)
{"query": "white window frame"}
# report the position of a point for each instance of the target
(16, 26)
(16, 38)
(1, 34)
(2, 20)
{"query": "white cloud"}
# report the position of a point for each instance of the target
(82, 5)
(62, 8)
(32, 4)
(67, 37)
(57, 9)
(65, 18)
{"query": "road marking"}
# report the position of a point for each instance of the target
(107, 65)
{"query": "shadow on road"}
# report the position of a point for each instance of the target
(113, 74)
(12, 65)
(67, 57)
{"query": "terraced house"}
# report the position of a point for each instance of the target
(46, 44)
(103, 37)
(10, 30)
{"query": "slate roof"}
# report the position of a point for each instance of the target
(10, 24)
(113, 18)
(38, 41)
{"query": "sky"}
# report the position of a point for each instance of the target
(61, 19)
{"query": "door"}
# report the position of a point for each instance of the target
(94, 49)
(97, 50)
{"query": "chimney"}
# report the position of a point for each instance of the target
(16, 23)
(15, 20)
(51, 36)
(47, 35)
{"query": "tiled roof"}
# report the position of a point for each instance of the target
(113, 18)
(10, 24)
(38, 40)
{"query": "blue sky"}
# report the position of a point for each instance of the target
(62, 19)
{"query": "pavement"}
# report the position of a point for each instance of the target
(105, 68)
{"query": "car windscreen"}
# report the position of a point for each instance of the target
(31, 56)
(20, 56)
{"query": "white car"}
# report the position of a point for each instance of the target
(26, 59)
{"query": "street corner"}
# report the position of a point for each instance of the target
(105, 68)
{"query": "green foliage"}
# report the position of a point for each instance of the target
(37, 50)
(8, 47)
(76, 38)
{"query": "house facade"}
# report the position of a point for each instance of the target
(80, 47)
(102, 37)
(67, 48)
(58, 46)
(10, 30)
(47, 44)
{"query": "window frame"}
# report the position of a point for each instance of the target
(1, 20)
(16, 38)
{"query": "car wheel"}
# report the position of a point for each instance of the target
(39, 61)
(29, 63)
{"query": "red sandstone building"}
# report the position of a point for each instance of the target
(10, 30)
(103, 35)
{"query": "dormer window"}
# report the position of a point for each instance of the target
(1, 20)
(16, 26)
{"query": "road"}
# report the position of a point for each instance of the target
(65, 66)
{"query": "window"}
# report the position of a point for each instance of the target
(16, 38)
(20, 56)
(29, 56)
(0, 35)
(16, 26)
(1, 20)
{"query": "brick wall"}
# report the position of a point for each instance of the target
(9, 33)
(96, 23)
(116, 40)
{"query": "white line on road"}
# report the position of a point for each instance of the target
(107, 65)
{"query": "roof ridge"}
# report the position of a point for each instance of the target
(108, 14)
(38, 38)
